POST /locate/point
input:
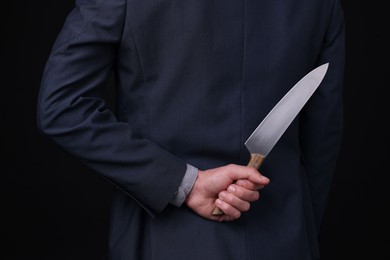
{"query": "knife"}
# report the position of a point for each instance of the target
(269, 131)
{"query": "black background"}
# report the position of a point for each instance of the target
(55, 208)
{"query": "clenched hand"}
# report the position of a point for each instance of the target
(231, 188)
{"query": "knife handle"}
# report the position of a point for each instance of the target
(255, 162)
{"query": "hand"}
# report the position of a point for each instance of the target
(217, 187)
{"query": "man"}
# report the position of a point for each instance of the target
(193, 79)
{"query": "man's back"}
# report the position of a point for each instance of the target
(194, 79)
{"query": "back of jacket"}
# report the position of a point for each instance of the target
(193, 79)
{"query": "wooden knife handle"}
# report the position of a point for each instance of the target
(255, 162)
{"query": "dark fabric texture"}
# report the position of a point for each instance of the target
(193, 79)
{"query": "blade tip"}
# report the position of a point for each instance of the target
(325, 66)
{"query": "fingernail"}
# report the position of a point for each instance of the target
(231, 189)
(222, 195)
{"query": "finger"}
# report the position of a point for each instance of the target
(236, 172)
(243, 193)
(230, 212)
(263, 180)
(249, 185)
(234, 201)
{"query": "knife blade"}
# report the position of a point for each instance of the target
(269, 131)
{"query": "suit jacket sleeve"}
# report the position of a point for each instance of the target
(73, 113)
(321, 119)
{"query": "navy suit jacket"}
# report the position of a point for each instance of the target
(193, 79)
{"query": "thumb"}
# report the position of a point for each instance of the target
(237, 172)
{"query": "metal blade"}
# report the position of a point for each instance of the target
(266, 135)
